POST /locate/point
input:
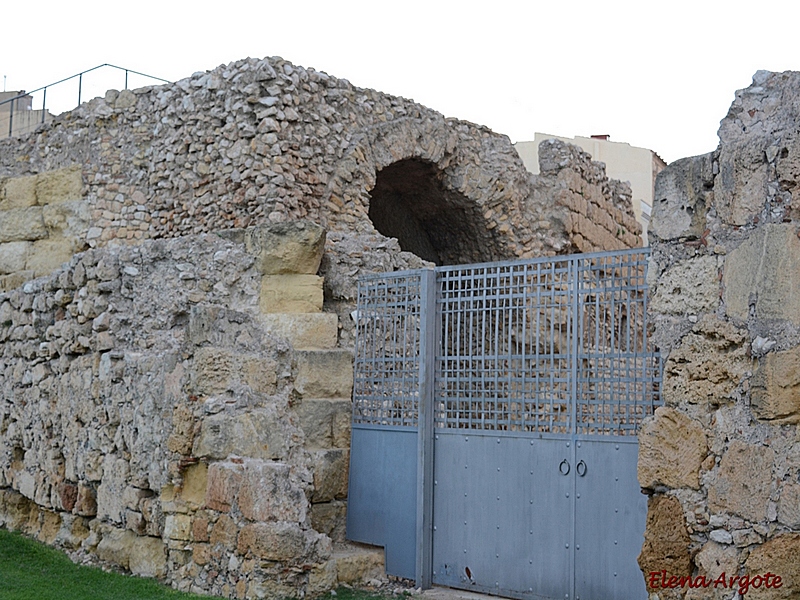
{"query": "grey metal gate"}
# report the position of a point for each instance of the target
(518, 389)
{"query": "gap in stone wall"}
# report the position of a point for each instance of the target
(410, 203)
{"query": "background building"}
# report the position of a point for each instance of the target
(17, 116)
(637, 166)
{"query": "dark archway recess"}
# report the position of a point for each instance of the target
(410, 203)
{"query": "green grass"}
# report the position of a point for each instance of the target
(32, 571)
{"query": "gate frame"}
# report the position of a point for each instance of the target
(429, 331)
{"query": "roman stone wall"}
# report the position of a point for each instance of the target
(179, 408)
(721, 459)
(176, 396)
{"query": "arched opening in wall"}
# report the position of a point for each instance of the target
(410, 203)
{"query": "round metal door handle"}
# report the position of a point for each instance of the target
(563, 467)
(580, 468)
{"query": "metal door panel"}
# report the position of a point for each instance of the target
(610, 515)
(501, 514)
(381, 503)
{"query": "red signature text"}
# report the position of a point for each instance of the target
(660, 579)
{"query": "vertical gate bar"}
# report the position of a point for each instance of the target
(574, 328)
(427, 369)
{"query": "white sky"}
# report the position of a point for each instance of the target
(658, 75)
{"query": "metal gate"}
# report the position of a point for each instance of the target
(495, 416)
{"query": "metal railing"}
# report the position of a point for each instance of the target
(44, 112)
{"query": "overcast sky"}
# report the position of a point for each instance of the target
(658, 75)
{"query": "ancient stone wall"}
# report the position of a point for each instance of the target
(199, 348)
(721, 459)
(156, 412)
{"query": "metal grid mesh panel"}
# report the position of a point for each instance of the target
(504, 356)
(386, 378)
(618, 374)
(546, 346)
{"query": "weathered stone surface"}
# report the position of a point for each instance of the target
(60, 185)
(708, 365)
(224, 480)
(682, 197)
(666, 540)
(291, 293)
(110, 491)
(214, 370)
(178, 527)
(357, 565)
(325, 423)
(20, 224)
(13, 256)
(671, 449)
(324, 374)
(224, 533)
(116, 547)
(195, 483)
(330, 518)
(322, 578)
(18, 192)
(148, 557)
(330, 475)
(271, 541)
(47, 255)
(764, 271)
(713, 560)
(256, 434)
(690, 287)
(778, 556)
(268, 493)
(775, 388)
(789, 505)
(304, 331)
(743, 483)
(294, 247)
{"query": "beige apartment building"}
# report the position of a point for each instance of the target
(23, 118)
(637, 166)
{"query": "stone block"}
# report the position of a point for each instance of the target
(671, 449)
(789, 505)
(13, 256)
(15, 280)
(224, 480)
(775, 387)
(359, 564)
(290, 293)
(111, 489)
(178, 527)
(214, 371)
(195, 483)
(325, 422)
(19, 224)
(60, 185)
(324, 373)
(778, 556)
(68, 219)
(303, 330)
(148, 557)
(256, 434)
(322, 578)
(272, 541)
(708, 365)
(224, 533)
(260, 374)
(45, 256)
(330, 518)
(116, 547)
(293, 247)
(200, 528)
(689, 287)
(86, 502)
(682, 198)
(330, 475)
(743, 483)
(18, 192)
(764, 271)
(51, 525)
(268, 493)
(666, 538)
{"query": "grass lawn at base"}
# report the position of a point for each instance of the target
(32, 571)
